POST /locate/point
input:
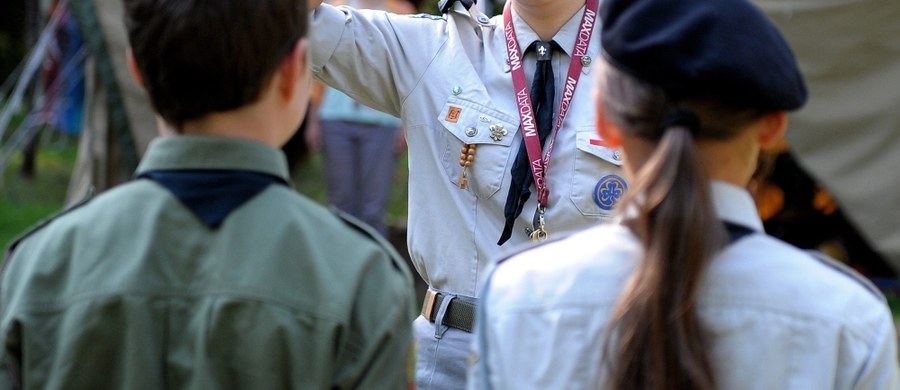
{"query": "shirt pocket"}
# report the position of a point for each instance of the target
(491, 131)
(597, 181)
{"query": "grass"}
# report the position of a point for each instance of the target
(26, 201)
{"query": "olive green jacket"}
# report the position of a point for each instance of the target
(132, 291)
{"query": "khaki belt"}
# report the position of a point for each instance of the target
(460, 313)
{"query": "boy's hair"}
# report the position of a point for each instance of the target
(197, 57)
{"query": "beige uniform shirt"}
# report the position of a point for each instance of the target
(448, 79)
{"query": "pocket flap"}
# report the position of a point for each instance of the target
(589, 141)
(474, 124)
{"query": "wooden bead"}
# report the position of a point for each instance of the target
(466, 158)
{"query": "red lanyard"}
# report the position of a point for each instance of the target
(540, 165)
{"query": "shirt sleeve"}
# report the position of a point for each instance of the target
(378, 354)
(881, 370)
(375, 57)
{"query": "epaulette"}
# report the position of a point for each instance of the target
(468, 8)
(849, 272)
(444, 6)
(372, 234)
(42, 224)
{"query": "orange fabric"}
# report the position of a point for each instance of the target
(400, 7)
(769, 200)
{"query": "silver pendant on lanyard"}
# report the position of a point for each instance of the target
(529, 133)
(540, 232)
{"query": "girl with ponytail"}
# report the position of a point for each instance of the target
(686, 291)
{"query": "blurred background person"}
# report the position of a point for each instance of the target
(359, 145)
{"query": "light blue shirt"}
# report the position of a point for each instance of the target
(778, 317)
(337, 106)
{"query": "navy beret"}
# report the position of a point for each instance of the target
(722, 49)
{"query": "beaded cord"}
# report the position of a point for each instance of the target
(466, 157)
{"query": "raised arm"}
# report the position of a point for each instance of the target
(375, 57)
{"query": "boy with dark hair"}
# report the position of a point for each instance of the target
(208, 271)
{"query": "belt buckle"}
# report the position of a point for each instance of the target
(428, 305)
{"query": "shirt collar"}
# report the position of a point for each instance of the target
(734, 204)
(565, 37)
(213, 153)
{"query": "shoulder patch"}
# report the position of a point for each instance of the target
(370, 233)
(42, 224)
(849, 272)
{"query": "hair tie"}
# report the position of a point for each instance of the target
(682, 117)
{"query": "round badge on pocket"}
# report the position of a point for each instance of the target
(608, 191)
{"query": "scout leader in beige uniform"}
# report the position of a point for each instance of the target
(462, 83)
(208, 271)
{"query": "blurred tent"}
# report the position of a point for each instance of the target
(848, 136)
(76, 76)
(118, 121)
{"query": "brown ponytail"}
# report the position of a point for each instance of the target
(656, 340)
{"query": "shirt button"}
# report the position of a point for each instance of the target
(586, 61)
(471, 132)
(617, 155)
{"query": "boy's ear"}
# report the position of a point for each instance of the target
(293, 69)
(774, 125)
(133, 68)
